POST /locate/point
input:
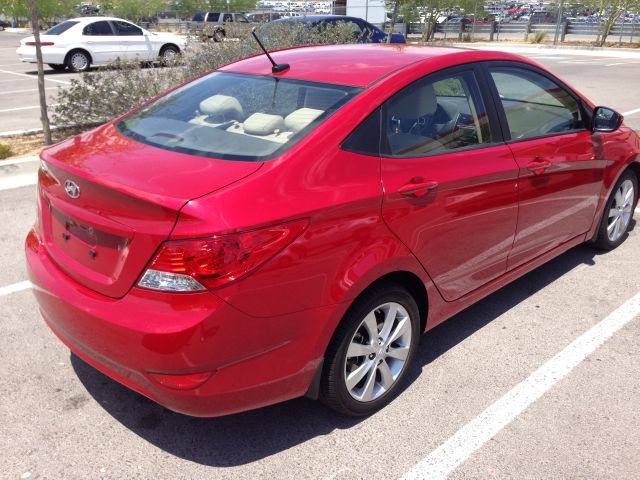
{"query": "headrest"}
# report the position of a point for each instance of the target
(298, 119)
(222, 105)
(263, 124)
(422, 101)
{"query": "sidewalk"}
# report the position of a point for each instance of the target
(547, 49)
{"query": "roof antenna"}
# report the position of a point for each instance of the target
(277, 67)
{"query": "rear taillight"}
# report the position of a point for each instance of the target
(198, 264)
(42, 44)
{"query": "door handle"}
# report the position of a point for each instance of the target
(538, 166)
(417, 190)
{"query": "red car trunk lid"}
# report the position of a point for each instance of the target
(107, 202)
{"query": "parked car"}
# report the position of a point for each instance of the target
(251, 237)
(218, 25)
(363, 30)
(79, 43)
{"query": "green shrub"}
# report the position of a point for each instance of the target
(5, 151)
(107, 93)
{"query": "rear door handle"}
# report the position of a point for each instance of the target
(538, 166)
(417, 190)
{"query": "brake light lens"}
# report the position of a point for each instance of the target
(207, 263)
(42, 44)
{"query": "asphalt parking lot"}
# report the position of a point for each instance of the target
(476, 406)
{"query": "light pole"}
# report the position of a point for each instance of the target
(555, 38)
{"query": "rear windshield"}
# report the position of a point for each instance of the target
(60, 28)
(198, 17)
(235, 116)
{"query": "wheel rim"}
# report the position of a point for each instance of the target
(79, 61)
(169, 54)
(621, 211)
(377, 352)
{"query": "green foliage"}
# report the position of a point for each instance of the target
(5, 151)
(107, 93)
(47, 9)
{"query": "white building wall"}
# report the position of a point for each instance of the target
(373, 11)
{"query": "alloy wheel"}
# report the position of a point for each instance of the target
(621, 211)
(378, 352)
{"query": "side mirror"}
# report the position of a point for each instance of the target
(605, 120)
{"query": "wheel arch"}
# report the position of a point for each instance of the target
(78, 49)
(169, 44)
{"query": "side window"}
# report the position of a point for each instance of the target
(365, 139)
(241, 18)
(213, 17)
(534, 105)
(227, 18)
(126, 29)
(98, 28)
(435, 115)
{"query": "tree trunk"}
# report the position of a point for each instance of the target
(394, 17)
(44, 117)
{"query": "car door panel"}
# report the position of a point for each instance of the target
(559, 174)
(101, 42)
(463, 228)
(450, 185)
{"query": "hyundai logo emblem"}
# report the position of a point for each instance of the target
(72, 189)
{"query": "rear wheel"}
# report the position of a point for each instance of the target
(78, 61)
(618, 212)
(168, 54)
(57, 68)
(218, 35)
(369, 355)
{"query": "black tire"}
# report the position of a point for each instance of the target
(603, 239)
(57, 68)
(168, 54)
(333, 385)
(218, 35)
(75, 63)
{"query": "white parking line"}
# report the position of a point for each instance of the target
(17, 181)
(15, 287)
(458, 448)
(33, 76)
(25, 108)
(19, 91)
(631, 112)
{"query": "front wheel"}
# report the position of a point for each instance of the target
(369, 356)
(168, 55)
(618, 212)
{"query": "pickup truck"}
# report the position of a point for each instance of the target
(218, 25)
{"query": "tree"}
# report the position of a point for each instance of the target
(44, 117)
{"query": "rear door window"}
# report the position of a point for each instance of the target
(436, 115)
(213, 17)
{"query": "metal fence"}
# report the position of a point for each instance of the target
(493, 30)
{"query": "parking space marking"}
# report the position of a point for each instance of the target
(19, 91)
(32, 76)
(17, 181)
(15, 287)
(26, 108)
(471, 437)
(631, 112)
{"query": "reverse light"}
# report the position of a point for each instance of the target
(42, 44)
(207, 263)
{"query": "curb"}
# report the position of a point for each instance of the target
(19, 160)
(528, 47)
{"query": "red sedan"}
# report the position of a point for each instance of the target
(261, 234)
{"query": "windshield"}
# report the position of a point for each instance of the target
(60, 28)
(236, 116)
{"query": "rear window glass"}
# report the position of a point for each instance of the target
(236, 116)
(198, 17)
(60, 28)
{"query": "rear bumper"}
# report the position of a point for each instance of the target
(253, 361)
(50, 55)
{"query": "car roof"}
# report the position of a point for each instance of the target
(317, 18)
(358, 65)
(94, 19)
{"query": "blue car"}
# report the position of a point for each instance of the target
(365, 32)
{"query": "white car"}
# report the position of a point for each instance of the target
(78, 43)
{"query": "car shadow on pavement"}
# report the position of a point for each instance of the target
(246, 437)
